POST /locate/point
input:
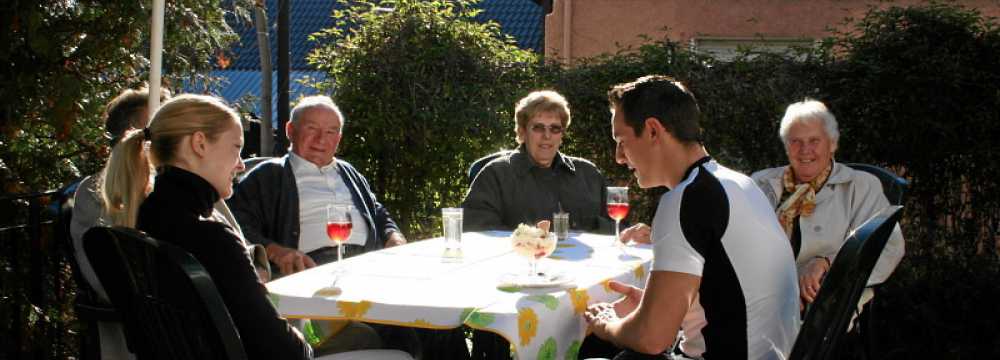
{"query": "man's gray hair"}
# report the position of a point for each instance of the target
(316, 101)
(808, 111)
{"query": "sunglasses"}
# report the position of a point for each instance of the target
(553, 129)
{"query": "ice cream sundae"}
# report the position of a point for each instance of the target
(533, 242)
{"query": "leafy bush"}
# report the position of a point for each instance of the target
(919, 92)
(64, 60)
(425, 90)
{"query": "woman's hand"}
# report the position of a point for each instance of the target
(811, 277)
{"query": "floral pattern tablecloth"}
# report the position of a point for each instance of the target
(415, 285)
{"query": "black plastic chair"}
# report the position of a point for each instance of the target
(89, 308)
(893, 186)
(477, 166)
(828, 317)
(169, 303)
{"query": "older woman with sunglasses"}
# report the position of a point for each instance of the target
(536, 180)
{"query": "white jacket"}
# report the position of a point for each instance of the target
(848, 199)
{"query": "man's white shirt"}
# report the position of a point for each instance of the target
(317, 188)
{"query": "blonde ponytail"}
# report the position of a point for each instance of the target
(127, 176)
(126, 179)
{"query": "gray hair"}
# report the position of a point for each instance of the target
(807, 111)
(316, 101)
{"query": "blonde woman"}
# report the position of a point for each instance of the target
(194, 145)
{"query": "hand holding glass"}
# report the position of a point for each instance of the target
(617, 207)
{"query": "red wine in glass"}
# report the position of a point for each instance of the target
(617, 211)
(338, 226)
(338, 231)
(617, 207)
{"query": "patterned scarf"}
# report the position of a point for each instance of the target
(799, 199)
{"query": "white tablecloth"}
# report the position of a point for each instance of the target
(414, 285)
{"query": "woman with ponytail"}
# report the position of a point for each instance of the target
(193, 142)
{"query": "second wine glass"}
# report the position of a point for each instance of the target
(617, 207)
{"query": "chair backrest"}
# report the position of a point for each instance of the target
(87, 304)
(828, 317)
(249, 164)
(477, 166)
(170, 306)
(893, 186)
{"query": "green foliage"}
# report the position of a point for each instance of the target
(63, 60)
(920, 93)
(425, 91)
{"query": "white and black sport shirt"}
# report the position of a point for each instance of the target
(717, 224)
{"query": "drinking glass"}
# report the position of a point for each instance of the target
(617, 207)
(338, 226)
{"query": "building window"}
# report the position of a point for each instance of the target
(727, 48)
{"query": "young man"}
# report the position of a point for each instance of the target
(722, 270)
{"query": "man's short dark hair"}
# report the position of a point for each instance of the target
(659, 97)
(122, 112)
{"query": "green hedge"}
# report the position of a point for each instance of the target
(915, 89)
(425, 91)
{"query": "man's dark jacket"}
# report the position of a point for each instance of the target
(266, 204)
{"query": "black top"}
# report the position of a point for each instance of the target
(176, 212)
(512, 190)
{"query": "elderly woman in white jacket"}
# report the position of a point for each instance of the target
(819, 201)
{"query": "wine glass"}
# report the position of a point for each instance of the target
(617, 207)
(533, 246)
(338, 226)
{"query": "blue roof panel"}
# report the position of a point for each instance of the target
(522, 19)
(241, 88)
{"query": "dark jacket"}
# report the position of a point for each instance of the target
(266, 204)
(175, 212)
(512, 190)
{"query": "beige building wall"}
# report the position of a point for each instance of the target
(600, 26)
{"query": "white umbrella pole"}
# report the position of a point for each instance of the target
(156, 56)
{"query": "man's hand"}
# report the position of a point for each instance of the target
(627, 304)
(639, 233)
(396, 238)
(811, 277)
(289, 260)
(602, 315)
(599, 316)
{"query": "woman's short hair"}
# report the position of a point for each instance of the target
(127, 173)
(537, 102)
(807, 111)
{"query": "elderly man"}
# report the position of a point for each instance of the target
(722, 270)
(281, 203)
(536, 180)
